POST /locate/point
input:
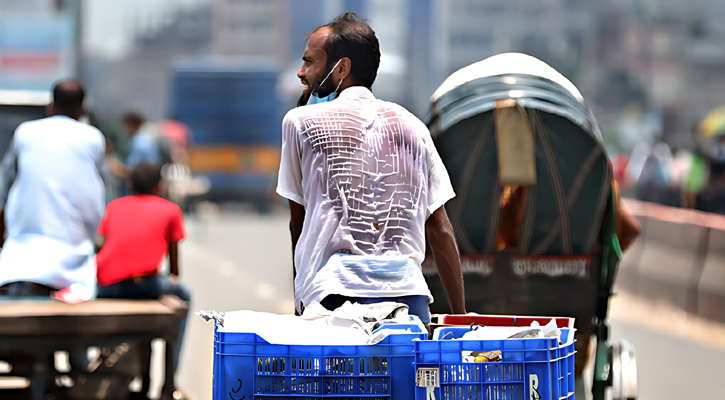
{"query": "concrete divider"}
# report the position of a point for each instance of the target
(711, 287)
(680, 257)
(669, 259)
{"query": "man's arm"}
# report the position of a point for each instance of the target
(443, 243)
(174, 259)
(297, 218)
(8, 173)
(98, 242)
(628, 228)
(2, 228)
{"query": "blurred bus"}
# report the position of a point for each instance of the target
(233, 111)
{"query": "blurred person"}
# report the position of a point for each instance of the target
(695, 181)
(681, 166)
(654, 177)
(137, 233)
(143, 146)
(637, 159)
(513, 207)
(619, 165)
(364, 181)
(178, 136)
(52, 195)
(715, 190)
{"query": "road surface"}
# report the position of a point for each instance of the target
(239, 260)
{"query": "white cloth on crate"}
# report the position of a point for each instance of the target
(357, 316)
(369, 176)
(289, 329)
(351, 324)
(53, 196)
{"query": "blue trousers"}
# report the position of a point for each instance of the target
(150, 288)
(417, 305)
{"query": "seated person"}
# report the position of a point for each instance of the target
(513, 205)
(138, 231)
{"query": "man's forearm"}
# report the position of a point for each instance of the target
(448, 263)
(297, 219)
(2, 227)
(174, 258)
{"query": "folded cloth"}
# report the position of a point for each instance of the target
(351, 324)
(289, 329)
(357, 316)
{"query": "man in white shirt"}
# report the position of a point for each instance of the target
(52, 197)
(364, 182)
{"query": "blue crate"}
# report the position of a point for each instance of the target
(248, 367)
(530, 368)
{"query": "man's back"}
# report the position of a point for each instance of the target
(143, 148)
(138, 230)
(369, 177)
(53, 198)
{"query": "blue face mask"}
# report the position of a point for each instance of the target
(315, 98)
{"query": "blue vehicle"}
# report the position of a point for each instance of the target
(233, 111)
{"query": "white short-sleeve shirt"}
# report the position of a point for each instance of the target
(369, 176)
(53, 196)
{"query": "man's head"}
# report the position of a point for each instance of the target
(132, 122)
(68, 98)
(347, 41)
(146, 178)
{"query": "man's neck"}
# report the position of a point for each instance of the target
(343, 87)
(65, 114)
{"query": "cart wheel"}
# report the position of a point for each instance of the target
(624, 371)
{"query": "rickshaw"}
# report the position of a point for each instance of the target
(534, 214)
(34, 328)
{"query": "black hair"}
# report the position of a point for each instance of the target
(68, 95)
(146, 177)
(350, 36)
(133, 118)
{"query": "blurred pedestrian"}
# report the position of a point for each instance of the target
(364, 182)
(178, 136)
(715, 190)
(143, 145)
(619, 165)
(137, 233)
(52, 196)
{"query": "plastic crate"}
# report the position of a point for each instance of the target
(248, 367)
(503, 320)
(530, 368)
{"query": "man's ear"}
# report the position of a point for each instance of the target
(343, 69)
(49, 109)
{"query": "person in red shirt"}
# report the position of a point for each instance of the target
(138, 232)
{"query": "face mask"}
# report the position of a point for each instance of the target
(315, 98)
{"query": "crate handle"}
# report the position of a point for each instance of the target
(429, 379)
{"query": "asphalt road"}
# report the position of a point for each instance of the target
(236, 260)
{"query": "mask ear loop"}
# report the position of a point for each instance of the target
(339, 84)
(323, 81)
(328, 75)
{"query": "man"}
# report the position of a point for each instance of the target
(138, 231)
(143, 146)
(52, 197)
(364, 183)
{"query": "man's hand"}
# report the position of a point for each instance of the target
(297, 219)
(117, 168)
(174, 259)
(443, 243)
